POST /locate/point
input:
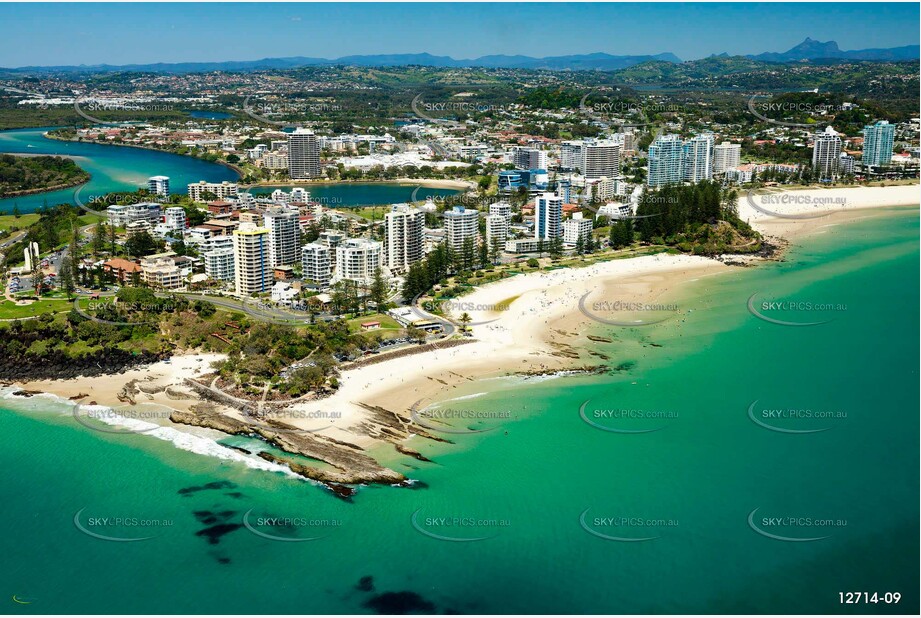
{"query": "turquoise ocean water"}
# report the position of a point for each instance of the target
(710, 489)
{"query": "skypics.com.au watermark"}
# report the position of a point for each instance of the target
(449, 419)
(617, 312)
(88, 105)
(761, 109)
(794, 206)
(616, 419)
(274, 112)
(137, 419)
(122, 313)
(794, 420)
(625, 529)
(457, 308)
(120, 528)
(99, 204)
(458, 528)
(279, 421)
(794, 528)
(773, 310)
(296, 529)
(460, 104)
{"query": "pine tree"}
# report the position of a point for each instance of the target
(66, 279)
(379, 289)
(99, 239)
(556, 247)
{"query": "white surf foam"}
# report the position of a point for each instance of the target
(200, 445)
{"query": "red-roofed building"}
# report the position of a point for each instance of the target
(121, 268)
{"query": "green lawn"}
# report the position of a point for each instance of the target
(385, 320)
(22, 221)
(375, 213)
(10, 311)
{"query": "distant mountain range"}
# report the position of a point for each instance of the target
(807, 50)
(817, 50)
(581, 62)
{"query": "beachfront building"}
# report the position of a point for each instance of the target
(404, 236)
(575, 228)
(600, 160)
(252, 268)
(158, 185)
(826, 154)
(877, 143)
(698, 154)
(548, 217)
(284, 236)
(199, 191)
(666, 161)
(461, 223)
(847, 164)
(357, 260)
(219, 263)
(303, 155)
(316, 265)
(158, 271)
(496, 231)
(726, 156)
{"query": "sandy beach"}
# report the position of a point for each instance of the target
(809, 209)
(528, 324)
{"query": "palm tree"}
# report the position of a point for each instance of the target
(464, 320)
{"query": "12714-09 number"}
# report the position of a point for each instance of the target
(851, 598)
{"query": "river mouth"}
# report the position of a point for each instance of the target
(115, 168)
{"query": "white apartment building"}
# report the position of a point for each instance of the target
(252, 268)
(161, 272)
(284, 236)
(404, 236)
(221, 190)
(317, 264)
(219, 263)
(575, 228)
(615, 210)
(698, 154)
(174, 218)
(501, 208)
(120, 215)
(600, 159)
(726, 156)
(666, 161)
(548, 216)
(158, 185)
(826, 153)
(357, 259)
(496, 231)
(303, 155)
(461, 223)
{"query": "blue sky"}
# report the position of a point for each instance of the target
(56, 34)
